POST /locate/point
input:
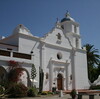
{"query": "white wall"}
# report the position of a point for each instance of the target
(28, 44)
(52, 39)
(81, 70)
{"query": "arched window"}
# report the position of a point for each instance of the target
(46, 75)
(71, 77)
(59, 76)
(77, 43)
(75, 29)
(62, 27)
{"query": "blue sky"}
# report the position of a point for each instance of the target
(39, 16)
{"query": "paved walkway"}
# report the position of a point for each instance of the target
(67, 96)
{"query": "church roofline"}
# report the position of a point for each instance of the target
(7, 38)
(8, 44)
(36, 37)
(22, 29)
(53, 29)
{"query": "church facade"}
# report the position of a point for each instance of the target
(59, 54)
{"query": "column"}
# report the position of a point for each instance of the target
(66, 77)
(42, 62)
(42, 55)
(73, 69)
(51, 75)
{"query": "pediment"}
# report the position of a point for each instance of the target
(22, 29)
(57, 37)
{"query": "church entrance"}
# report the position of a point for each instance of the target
(60, 81)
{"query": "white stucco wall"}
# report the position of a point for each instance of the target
(81, 71)
(28, 44)
(52, 39)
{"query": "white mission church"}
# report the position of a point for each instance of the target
(59, 53)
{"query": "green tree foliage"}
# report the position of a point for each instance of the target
(32, 92)
(33, 72)
(98, 70)
(93, 61)
(92, 55)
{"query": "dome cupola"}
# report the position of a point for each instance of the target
(67, 17)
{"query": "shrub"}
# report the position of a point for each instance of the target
(17, 90)
(95, 87)
(50, 92)
(4, 83)
(54, 89)
(32, 92)
(44, 93)
(73, 94)
(2, 90)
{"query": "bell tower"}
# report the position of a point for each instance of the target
(71, 30)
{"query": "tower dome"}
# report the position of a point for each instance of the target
(67, 17)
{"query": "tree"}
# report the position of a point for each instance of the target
(92, 57)
(14, 71)
(33, 72)
(98, 70)
(93, 60)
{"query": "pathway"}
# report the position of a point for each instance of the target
(67, 96)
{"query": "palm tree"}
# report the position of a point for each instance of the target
(93, 60)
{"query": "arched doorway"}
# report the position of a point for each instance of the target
(24, 77)
(3, 74)
(60, 81)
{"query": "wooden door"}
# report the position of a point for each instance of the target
(59, 82)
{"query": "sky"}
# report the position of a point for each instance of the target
(40, 16)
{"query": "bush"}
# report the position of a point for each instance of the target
(32, 92)
(2, 90)
(95, 87)
(54, 89)
(44, 93)
(50, 92)
(4, 83)
(17, 90)
(73, 94)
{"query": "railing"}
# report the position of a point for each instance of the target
(4, 53)
(21, 55)
(15, 54)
